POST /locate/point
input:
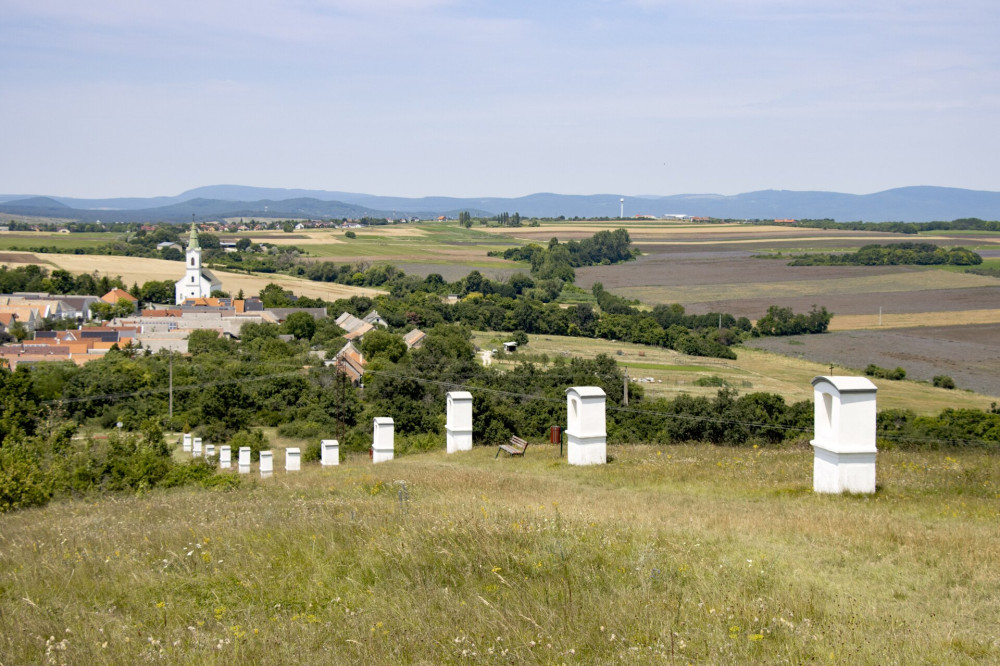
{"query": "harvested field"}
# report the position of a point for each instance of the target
(968, 354)
(140, 270)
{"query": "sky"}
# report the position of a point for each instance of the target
(109, 98)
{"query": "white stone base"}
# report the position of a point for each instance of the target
(293, 460)
(186, 443)
(586, 450)
(329, 452)
(196, 448)
(225, 457)
(266, 464)
(835, 472)
(458, 440)
(209, 450)
(381, 455)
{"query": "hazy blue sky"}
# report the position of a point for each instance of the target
(475, 98)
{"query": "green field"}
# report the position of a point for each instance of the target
(684, 554)
(753, 370)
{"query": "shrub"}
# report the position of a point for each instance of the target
(22, 481)
(943, 381)
(884, 373)
(301, 429)
(252, 438)
(351, 234)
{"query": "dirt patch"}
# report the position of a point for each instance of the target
(968, 354)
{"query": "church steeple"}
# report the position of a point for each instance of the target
(193, 239)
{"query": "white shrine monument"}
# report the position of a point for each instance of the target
(244, 460)
(293, 460)
(329, 452)
(196, 448)
(844, 444)
(187, 443)
(225, 456)
(383, 439)
(586, 428)
(266, 464)
(459, 424)
(209, 450)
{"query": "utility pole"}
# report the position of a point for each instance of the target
(171, 384)
(625, 389)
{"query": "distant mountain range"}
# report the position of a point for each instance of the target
(905, 204)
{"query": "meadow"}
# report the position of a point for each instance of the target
(681, 554)
(753, 370)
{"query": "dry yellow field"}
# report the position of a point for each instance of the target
(140, 270)
(909, 320)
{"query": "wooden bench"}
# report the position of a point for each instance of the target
(516, 447)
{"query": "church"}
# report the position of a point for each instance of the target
(197, 282)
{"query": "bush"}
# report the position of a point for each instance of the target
(713, 380)
(350, 234)
(22, 481)
(943, 381)
(252, 438)
(301, 429)
(884, 373)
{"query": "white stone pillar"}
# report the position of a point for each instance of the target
(266, 464)
(329, 452)
(196, 448)
(459, 424)
(293, 460)
(383, 439)
(844, 444)
(225, 456)
(209, 450)
(244, 460)
(187, 443)
(586, 430)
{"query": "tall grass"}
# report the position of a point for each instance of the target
(678, 555)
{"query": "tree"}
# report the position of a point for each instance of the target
(242, 244)
(302, 325)
(158, 291)
(381, 343)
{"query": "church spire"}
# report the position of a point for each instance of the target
(193, 240)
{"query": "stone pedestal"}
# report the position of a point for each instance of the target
(329, 452)
(186, 443)
(266, 464)
(196, 447)
(225, 457)
(844, 444)
(293, 460)
(383, 439)
(459, 424)
(244, 460)
(586, 430)
(209, 450)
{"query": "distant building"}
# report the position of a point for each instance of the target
(414, 339)
(197, 282)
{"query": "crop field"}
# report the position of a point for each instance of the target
(431, 247)
(773, 365)
(430, 558)
(140, 270)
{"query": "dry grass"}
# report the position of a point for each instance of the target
(442, 559)
(140, 270)
(909, 320)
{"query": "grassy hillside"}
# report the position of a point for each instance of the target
(677, 554)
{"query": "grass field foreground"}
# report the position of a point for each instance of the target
(676, 554)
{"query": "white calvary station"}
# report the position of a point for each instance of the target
(244, 460)
(586, 429)
(383, 439)
(266, 464)
(187, 443)
(329, 452)
(459, 424)
(196, 447)
(293, 460)
(844, 444)
(225, 456)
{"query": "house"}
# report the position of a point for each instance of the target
(375, 319)
(197, 282)
(414, 339)
(349, 361)
(510, 347)
(117, 294)
(350, 323)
